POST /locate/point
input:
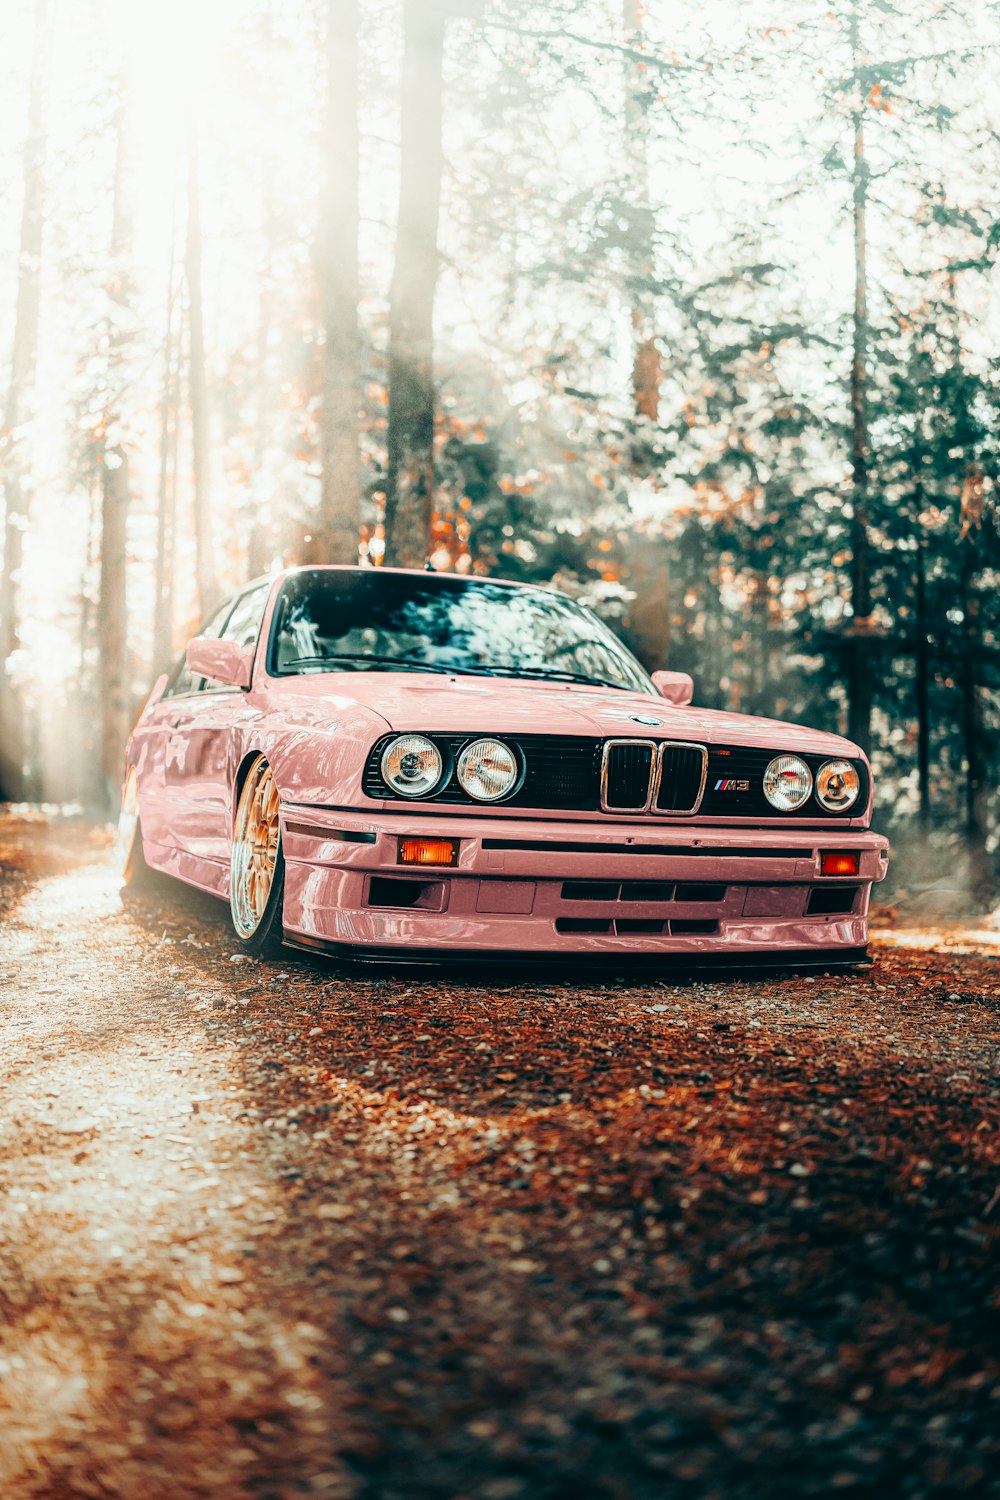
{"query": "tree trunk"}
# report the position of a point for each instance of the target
(649, 613)
(647, 369)
(759, 644)
(410, 468)
(204, 550)
(262, 524)
(166, 516)
(112, 621)
(340, 517)
(921, 667)
(981, 878)
(861, 665)
(263, 520)
(17, 411)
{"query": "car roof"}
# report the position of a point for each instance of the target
(446, 577)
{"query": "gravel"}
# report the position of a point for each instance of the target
(281, 1231)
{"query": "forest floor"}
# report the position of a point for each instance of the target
(273, 1230)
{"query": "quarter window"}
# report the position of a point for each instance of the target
(243, 625)
(181, 681)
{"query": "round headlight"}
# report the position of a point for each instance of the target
(487, 770)
(412, 765)
(837, 785)
(787, 782)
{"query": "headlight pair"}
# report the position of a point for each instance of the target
(414, 767)
(788, 783)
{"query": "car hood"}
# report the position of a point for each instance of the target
(508, 706)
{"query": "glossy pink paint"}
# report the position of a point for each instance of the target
(317, 731)
(224, 661)
(676, 687)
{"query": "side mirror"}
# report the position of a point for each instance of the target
(676, 687)
(223, 661)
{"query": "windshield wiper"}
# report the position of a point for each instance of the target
(414, 663)
(555, 674)
(361, 660)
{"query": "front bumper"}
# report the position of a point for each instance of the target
(570, 887)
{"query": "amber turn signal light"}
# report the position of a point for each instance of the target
(428, 852)
(833, 863)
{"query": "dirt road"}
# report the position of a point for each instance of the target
(277, 1230)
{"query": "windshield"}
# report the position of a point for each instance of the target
(380, 621)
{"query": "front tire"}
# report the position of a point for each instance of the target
(257, 865)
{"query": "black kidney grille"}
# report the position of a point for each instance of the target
(564, 771)
(629, 768)
(681, 778)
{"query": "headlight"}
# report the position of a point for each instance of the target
(412, 765)
(837, 785)
(487, 770)
(787, 782)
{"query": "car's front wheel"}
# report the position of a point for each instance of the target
(257, 866)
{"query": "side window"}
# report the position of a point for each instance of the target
(243, 625)
(181, 682)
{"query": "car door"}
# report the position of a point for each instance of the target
(156, 802)
(200, 757)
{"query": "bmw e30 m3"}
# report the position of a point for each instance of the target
(399, 763)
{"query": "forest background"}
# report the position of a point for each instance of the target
(689, 311)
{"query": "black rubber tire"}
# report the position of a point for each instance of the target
(266, 941)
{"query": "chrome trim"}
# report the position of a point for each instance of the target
(608, 744)
(678, 812)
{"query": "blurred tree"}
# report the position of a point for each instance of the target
(17, 478)
(208, 587)
(166, 495)
(112, 614)
(939, 469)
(668, 325)
(970, 676)
(340, 519)
(265, 526)
(649, 573)
(409, 487)
(859, 689)
(647, 370)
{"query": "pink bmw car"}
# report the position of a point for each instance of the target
(394, 763)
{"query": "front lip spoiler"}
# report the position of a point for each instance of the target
(666, 965)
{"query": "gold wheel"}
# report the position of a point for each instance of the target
(256, 843)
